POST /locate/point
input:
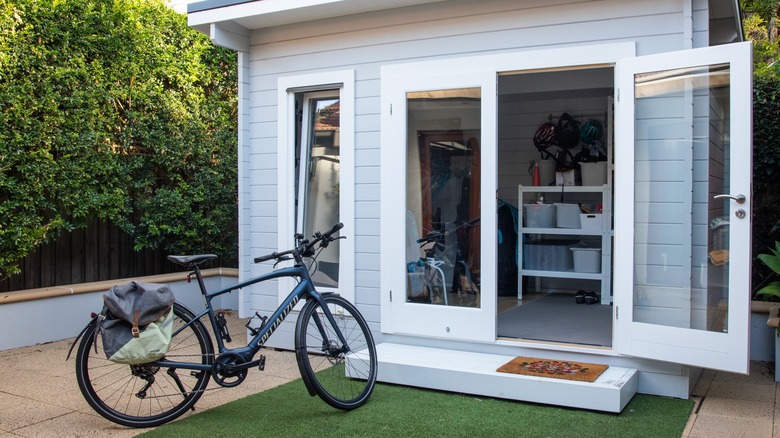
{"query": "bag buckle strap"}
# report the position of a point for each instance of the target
(98, 327)
(136, 332)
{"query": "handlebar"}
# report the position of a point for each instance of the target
(303, 247)
(432, 236)
(436, 236)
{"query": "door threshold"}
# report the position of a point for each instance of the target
(551, 344)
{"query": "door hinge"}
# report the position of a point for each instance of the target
(618, 95)
(617, 312)
(391, 296)
(391, 109)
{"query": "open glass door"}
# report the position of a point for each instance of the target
(438, 146)
(682, 207)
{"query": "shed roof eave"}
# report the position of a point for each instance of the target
(260, 14)
(725, 22)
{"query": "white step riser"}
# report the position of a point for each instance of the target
(475, 373)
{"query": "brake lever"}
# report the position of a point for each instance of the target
(325, 242)
(282, 259)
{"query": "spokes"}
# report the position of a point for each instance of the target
(343, 373)
(146, 394)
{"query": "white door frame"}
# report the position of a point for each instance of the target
(437, 321)
(709, 349)
(451, 322)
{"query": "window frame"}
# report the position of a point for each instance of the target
(287, 88)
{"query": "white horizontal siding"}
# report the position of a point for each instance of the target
(368, 41)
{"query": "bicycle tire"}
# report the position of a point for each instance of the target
(112, 389)
(344, 380)
(436, 288)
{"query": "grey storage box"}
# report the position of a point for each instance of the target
(548, 255)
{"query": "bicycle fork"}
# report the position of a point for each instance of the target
(330, 347)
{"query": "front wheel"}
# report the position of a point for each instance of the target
(145, 395)
(343, 375)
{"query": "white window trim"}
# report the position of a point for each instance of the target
(287, 86)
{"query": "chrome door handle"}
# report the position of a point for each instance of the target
(739, 198)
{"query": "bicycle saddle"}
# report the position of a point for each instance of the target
(186, 260)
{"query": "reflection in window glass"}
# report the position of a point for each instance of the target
(318, 179)
(681, 233)
(443, 197)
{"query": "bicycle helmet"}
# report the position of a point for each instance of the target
(567, 133)
(544, 138)
(590, 131)
(591, 153)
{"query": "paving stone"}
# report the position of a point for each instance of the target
(76, 424)
(760, 373)
(18, 412)
(745, 409)
(707, 426)
(742, 391)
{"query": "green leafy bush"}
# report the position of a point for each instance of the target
(114, 110)
(772, 261)
(766, 171)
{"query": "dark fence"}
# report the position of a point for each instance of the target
(99, 252)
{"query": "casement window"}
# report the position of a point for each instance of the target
(317, 175)
(316, 171)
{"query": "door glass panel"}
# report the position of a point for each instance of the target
(443, 197)
(318, 182)
(681, 241)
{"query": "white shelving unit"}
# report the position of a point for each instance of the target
(587, 194)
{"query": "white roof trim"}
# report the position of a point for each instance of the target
(229, 35)
(268, 13)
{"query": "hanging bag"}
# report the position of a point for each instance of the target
(136, 322)
(567, 133)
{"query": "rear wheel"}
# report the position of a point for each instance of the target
(342, 375)
(436, 289)
(145, 395)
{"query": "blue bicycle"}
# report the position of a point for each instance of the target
(333, 345)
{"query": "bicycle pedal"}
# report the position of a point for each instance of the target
(261, 362)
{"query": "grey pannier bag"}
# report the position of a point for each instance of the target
(136, 322)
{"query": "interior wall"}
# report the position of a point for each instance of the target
(526, 101)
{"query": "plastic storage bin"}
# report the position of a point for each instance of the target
(593, 174)
(586, 259)
(591, 222)
(567, 215)
(548, 255)
(539, 215)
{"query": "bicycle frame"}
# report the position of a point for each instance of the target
(304, 289)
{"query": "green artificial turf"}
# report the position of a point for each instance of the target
(398, 411)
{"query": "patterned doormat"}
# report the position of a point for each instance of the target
(556, 369)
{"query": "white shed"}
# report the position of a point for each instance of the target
(562, 159)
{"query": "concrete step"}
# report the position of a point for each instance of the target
(475, 373)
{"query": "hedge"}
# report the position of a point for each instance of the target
(114, 110)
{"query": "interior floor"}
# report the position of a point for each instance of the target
(554, 317)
